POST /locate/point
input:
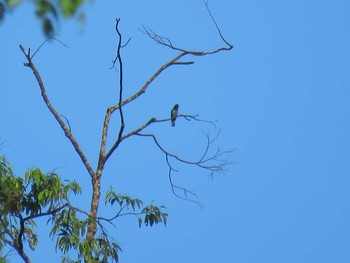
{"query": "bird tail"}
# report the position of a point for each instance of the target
(172, 123)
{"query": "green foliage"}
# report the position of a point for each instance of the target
(151, 214)
(3, 259)
(123, 200)
(2, 11)
(69, 7)
(48, 11)
(70, 232)
(22, 200)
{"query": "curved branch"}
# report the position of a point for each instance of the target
(122, 124)
(110, 110)
(151, 79)
(57, 116)
(216, 25)
(17, 243)
(165, 41)
(204, 162)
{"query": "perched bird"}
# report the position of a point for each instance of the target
(174, 113)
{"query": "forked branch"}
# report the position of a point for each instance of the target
(102, 157)
(175, 61)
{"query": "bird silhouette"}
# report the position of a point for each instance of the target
(174, 113)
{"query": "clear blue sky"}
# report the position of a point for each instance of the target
(281, 97)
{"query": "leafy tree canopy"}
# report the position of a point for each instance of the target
(23, 200)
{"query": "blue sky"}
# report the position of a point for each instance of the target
(281, 98)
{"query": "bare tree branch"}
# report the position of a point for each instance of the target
(47, 39)
(109, 112)
(65, 129)
(184, 190)
(122, 124)
(195, 117)
(203, 162)
(216, 25)
(173, 61)
(167, 42)
(149, 122)
(213, 163)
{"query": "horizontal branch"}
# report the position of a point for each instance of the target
(46, 213)
(202, 162)
(148, 123)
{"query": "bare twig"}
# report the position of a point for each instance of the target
(216, 25)
(195, 117)
(47, 39)
(184, 190)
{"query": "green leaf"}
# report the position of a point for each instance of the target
(140, 221)
(165, 218)
(43, 7)
(41, 196)
(151, 219)
(69, 7)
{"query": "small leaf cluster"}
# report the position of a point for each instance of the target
(153, 215)
(133, 206)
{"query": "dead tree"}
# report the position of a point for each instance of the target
(214, 163)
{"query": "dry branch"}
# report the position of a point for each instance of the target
(57, 116)
(214, 163)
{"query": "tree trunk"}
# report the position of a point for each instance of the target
(96, 193)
